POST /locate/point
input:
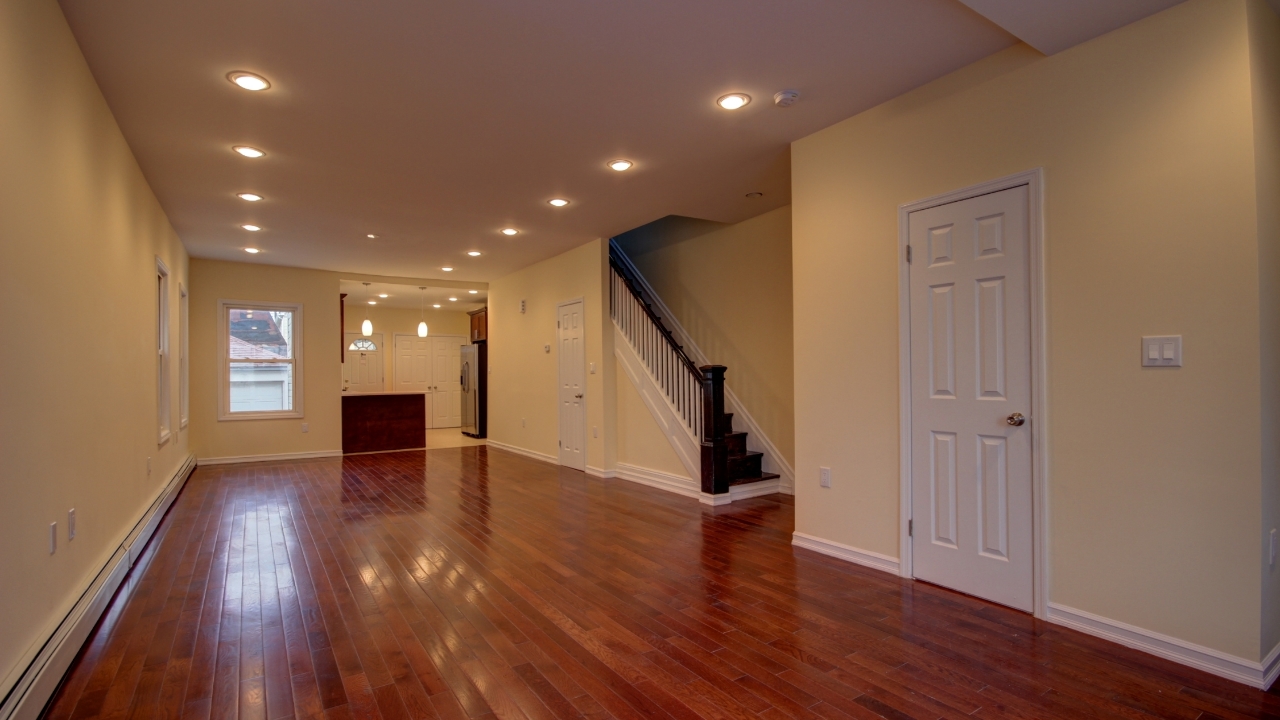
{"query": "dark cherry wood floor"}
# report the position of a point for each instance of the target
(473, 583)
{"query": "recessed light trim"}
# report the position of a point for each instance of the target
(251, 228)
(558, 202)
(249, 81)
(473, 292)
(453, 299)
(435, 306)
(510, 231)
(373, 302)
(371, 236)
(382, 295)
(734, 101)
(754, 195)
(249, 152)
(252, 251)
(621, 165)
(249, 197)
(447, 269)
(474, 253)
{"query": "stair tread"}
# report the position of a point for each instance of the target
(762, 477)
(747, 454)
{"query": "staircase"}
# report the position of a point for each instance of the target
(694, 394)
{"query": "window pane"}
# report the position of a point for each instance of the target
(363, 345)
(260, 334)
(261, 387)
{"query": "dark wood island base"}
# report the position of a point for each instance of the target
(379, 422)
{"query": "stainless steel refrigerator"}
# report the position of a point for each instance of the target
(475, 384)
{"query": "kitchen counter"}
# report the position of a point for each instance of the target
(383, 421)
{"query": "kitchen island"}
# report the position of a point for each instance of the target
(383, 421)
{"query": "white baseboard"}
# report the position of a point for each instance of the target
(846, 552)
(601, 472)
(527, 453)
(31, 692)
(677, 484)
(269, 458)
(1216, 662)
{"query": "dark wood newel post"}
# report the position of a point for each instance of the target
(715, 451)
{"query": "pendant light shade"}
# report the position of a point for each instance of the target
(422, 323)
(366, 327)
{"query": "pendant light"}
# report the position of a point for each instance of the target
(422, 323)
(366, 327)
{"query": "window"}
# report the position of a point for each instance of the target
(163, 416)
(261, 360)
(363, 345)
(184, 360)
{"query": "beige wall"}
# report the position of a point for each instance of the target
(523, 376)
(1264, 43)
(641, 442)
(730, 289)
(389, 321)
(1146, 140)
(80, 232)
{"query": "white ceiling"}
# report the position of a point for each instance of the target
(434, 124)
(406, 296)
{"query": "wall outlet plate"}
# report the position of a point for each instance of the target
(1162, 351)
(824, 477)
(53, 538)
(306, 427)
(71, 524)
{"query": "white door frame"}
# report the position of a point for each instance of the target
(1038, 417)
(560, 380)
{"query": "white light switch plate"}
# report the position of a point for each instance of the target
(824, 477)
(1162, 351)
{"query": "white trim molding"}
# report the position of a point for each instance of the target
(858, 556)
(224, 360)
(670, 482)
(600, 472)
(43, 673)
(757, 440)
(687, 447)
(275, 457)
(521, 451)
(1039, 416)
(1255, 674)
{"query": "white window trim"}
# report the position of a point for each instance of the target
(184, 357)
(164, 410)
(224, 361)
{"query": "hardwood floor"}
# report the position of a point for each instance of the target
(503, 587)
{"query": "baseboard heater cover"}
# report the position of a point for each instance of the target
(42, 677)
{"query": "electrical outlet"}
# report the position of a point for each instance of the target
(593, 368)
(521, 307)
(595, 431)
(1273, 547)
(148, 466)
(53, 538)
(824, 477)
(71, 524)
(306, 427)
(523, 422)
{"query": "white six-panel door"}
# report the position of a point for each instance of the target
(362, 371)
(971, 485)
(446, 380)
(413, 363)
(572, 361)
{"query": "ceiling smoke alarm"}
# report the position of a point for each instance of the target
(786, 98)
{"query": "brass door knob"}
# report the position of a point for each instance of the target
(1016, 420)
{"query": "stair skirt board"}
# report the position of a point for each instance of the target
(687, 447)
(757, 440)
(849, 553)
(691, 488)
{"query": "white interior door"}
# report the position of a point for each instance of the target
(413, 363)
(971, 503)
(362, 371)
(573, 383)
(446, 380)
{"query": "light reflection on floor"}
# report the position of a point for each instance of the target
(449, 438)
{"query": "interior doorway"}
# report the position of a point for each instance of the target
(572, 360)
(970, 396)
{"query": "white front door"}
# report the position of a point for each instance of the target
(573, 383)
(446, 380)
(413, 363)
(362, 371)
(971, 503)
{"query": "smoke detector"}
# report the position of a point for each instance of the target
(786, 98)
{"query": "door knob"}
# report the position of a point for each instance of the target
(1016, 420)
(579, 396)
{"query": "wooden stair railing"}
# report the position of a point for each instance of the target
(697, 393)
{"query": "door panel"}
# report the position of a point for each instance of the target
(446, 381)
(572, 361)
(362, 371)
(970, 369)
(413, 363)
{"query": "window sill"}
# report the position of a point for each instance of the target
(290, 414)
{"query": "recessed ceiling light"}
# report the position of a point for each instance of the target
(453, 299)
(373, 302)
(251, 228)
(620, 165)
(371, 236)
(509, 231)
(474, 253)
(558, 202)
(251, 197)
(473, 292)
(435, 306)
(447, 269)
(382, 294)
(249, 81)
(249, 152)
(733, 101)
(252, 251)
(754, 195)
